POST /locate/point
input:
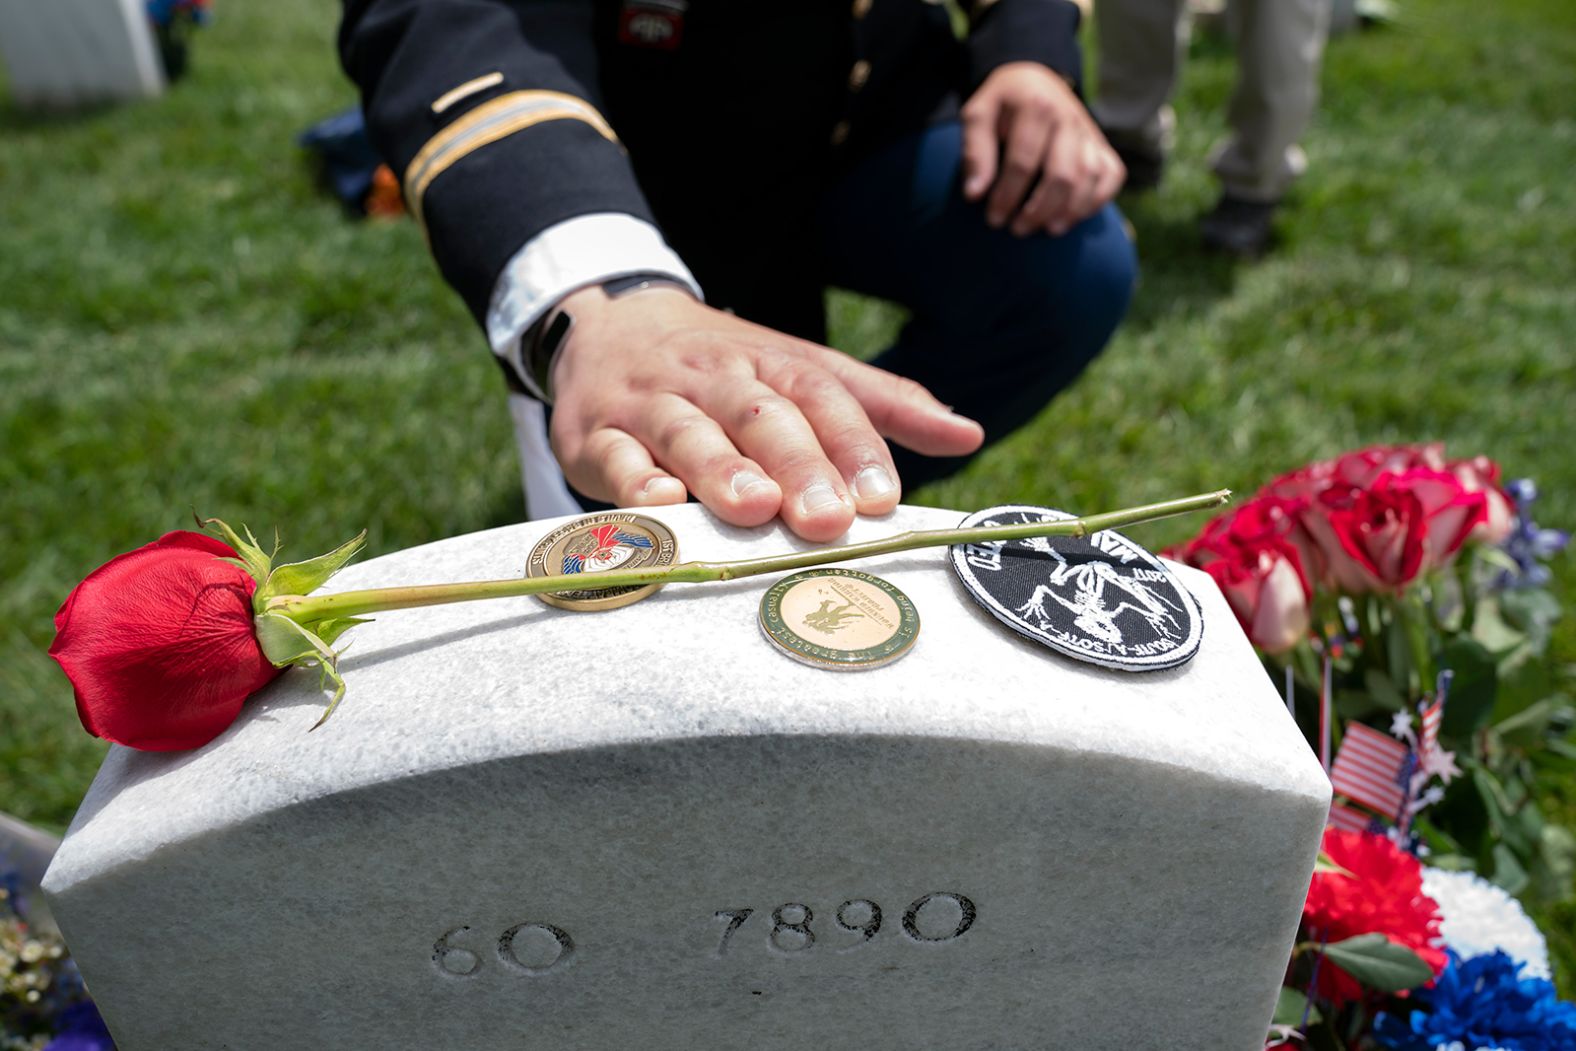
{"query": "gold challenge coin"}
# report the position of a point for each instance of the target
(596, 544)
(839, 619)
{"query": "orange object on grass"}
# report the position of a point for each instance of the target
(385, 198)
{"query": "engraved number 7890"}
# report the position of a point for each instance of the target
(791, 931)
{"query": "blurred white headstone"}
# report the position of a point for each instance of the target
(646, 828)
(64, 53)
(25, 852)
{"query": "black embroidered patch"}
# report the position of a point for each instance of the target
(1101, 598)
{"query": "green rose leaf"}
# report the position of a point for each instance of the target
(1473, 687)
(1501, 809)
(1379, 963)
(1529, 726)
(1383, 690)
(1532, 612)
(1509, 872)
(1291, 1007)
(1558, 854)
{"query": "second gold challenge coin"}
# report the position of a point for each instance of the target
(596, 544)
(840, 619)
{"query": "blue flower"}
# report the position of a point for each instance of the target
(1483, 1002)
(81, 1029)
(1528, 545)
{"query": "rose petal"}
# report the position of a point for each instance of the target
(159, 646)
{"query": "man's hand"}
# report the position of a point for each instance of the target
(657, 395)
(1024, 123)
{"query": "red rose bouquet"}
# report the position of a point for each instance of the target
(1376, 577)
(1399, 589)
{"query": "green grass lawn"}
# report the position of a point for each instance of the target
(186, 321)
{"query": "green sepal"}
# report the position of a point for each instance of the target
(303, 578)
(252, 558)
(330, 630)
(329, 673)
(284, 642)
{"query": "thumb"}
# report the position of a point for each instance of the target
(979, 146)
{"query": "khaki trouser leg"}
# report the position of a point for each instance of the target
(1142, 43)
(1279, 44)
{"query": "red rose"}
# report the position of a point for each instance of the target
(1382, 895)
(1264, 586)
(1354, 470)
(1371, 539)
(1360, 469)
(1450, 510)
(1303, 484)
(159, 644)
(1481, 475)
(1260, 570)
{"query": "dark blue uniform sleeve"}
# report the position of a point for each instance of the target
(1043, 31)
(488, 111)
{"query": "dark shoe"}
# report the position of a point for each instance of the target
(1238, 227)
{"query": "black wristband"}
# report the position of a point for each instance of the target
(548, 335)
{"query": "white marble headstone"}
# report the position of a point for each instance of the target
(646, 828)
(62, 53)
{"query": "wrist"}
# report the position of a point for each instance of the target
(552, 335)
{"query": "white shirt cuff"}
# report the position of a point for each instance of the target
(570, 255)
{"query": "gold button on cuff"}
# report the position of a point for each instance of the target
(862, 7)
(840, 133)
(858, 75)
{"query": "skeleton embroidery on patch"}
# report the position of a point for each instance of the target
(1088, 582)
(1101, 598)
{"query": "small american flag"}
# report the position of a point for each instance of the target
(1350, 819)
(1433, 715)
(1370, 767)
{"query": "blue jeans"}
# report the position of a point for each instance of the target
(1000, 324)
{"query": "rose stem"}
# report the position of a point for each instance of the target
(308, 608)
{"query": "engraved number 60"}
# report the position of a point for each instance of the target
(461, 962)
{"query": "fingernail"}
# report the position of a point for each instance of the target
(652, 490)
(872, 483)
(1057, 229)
(995, 220)
(819, 496)
(743, 481)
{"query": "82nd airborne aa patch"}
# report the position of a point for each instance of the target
(1101, 598)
